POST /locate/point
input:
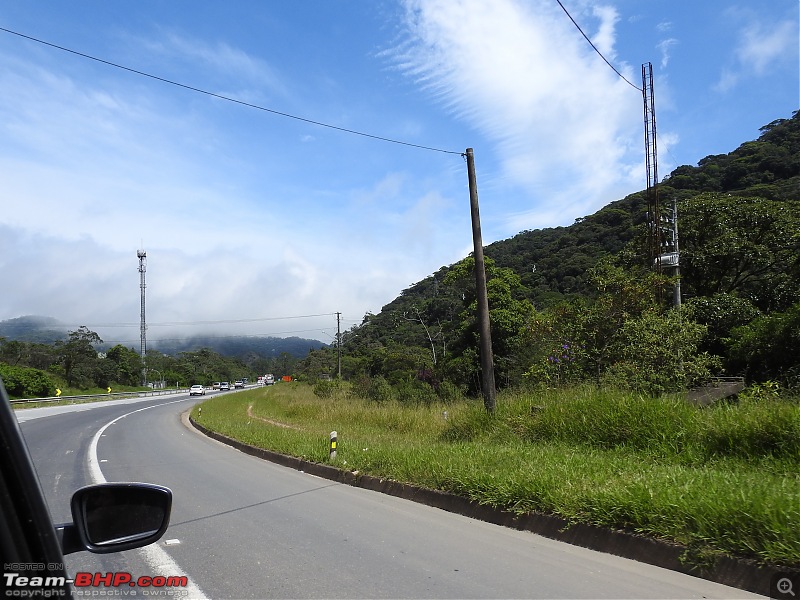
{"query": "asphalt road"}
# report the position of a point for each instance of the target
(245, 528)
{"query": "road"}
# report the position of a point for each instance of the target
(245, 528)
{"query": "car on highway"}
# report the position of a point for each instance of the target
(269, 379)
(238, 383)
(197, 390)
(107, 517)
(224, 386)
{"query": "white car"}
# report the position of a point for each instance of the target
(197, 390)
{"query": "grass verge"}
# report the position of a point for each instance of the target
(720, 480)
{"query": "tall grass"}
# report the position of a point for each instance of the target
(722, 479)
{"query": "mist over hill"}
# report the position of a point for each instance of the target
(49, 330)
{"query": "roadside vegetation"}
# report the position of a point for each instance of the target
(719, 480)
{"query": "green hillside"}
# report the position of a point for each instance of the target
(739, 217)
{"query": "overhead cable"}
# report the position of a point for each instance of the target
(600, 54)
(228, 98)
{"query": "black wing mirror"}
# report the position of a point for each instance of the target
(110, 517)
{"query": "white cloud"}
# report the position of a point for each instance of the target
(525, 77)
(224, 62)
(665, 46)
(760, 46)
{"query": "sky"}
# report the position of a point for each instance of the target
(262, 214)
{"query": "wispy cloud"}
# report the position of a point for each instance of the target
(222, 61)
(523, 75)
(759, 47)
(665, 47)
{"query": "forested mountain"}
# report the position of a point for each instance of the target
(32, 328)
(242, 346)
(738, 217)
(47, 330)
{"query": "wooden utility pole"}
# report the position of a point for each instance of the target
(487, 360)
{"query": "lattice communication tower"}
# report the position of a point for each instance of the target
(143, 323)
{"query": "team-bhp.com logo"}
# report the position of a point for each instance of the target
(95, 584)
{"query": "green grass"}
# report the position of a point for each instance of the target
(724, 479)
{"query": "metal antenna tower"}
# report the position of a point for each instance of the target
(662, 235)
(143, 324)
(651, 165)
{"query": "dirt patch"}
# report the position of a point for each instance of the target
(270, 421)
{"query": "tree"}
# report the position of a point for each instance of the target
(768, 347)
(749, 247)
(658, 352)
(509, 310)
(78, 356)
(126, 365)
(623, 336)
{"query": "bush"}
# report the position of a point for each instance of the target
(415, 392)
(449, 392)
(767, 348)
(326, 389)
(380, 390)
(26, 382)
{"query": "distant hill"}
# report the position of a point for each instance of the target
(48, 330)
(241, 346)
(33, 328)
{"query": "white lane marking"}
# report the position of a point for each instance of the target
(154, 555)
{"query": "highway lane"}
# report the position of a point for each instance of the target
(245, 528)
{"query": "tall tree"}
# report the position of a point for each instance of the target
(78, 356)
(748, 247)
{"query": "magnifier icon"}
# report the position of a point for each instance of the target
(785, 586)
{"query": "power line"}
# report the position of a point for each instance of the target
(228, 98)
(220, 322)
(600, 54)
(201, 337)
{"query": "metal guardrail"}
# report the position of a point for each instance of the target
(109, 396)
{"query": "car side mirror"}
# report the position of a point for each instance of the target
(111, 517)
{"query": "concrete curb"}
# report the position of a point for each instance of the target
(738, 573)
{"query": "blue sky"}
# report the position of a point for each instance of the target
(252, 222)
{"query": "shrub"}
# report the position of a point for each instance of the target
(449, 392)
(415, 391)
(326, 389)
(26, 382)
(379, 390)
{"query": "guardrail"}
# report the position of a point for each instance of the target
(109, 396)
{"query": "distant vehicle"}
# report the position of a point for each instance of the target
(238, 383)
(197, 390)
(244, 380)
(215, 385)
(224, 386)
(269, 379)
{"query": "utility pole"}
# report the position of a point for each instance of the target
(143, 325)
(339, 341)
(484, 327)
